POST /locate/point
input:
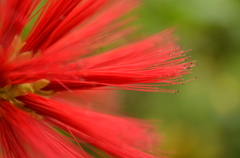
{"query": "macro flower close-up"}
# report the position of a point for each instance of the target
(54, 52)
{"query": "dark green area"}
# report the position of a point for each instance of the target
(203, 119)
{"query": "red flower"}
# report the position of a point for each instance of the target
(58, 55)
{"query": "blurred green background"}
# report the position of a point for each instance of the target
(203, 119)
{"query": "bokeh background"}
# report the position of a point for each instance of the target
(203, 119)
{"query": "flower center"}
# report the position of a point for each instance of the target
(10, 92)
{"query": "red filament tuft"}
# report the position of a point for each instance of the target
(73, 46)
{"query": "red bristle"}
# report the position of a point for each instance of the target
(15, 15)
(144, 62)
(57, 19)
(11, 147)
(37, 138)
(122, 137)
(107, 101)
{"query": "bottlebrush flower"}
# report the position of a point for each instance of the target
(60, 54)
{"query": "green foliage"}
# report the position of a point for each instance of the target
(202, 120)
